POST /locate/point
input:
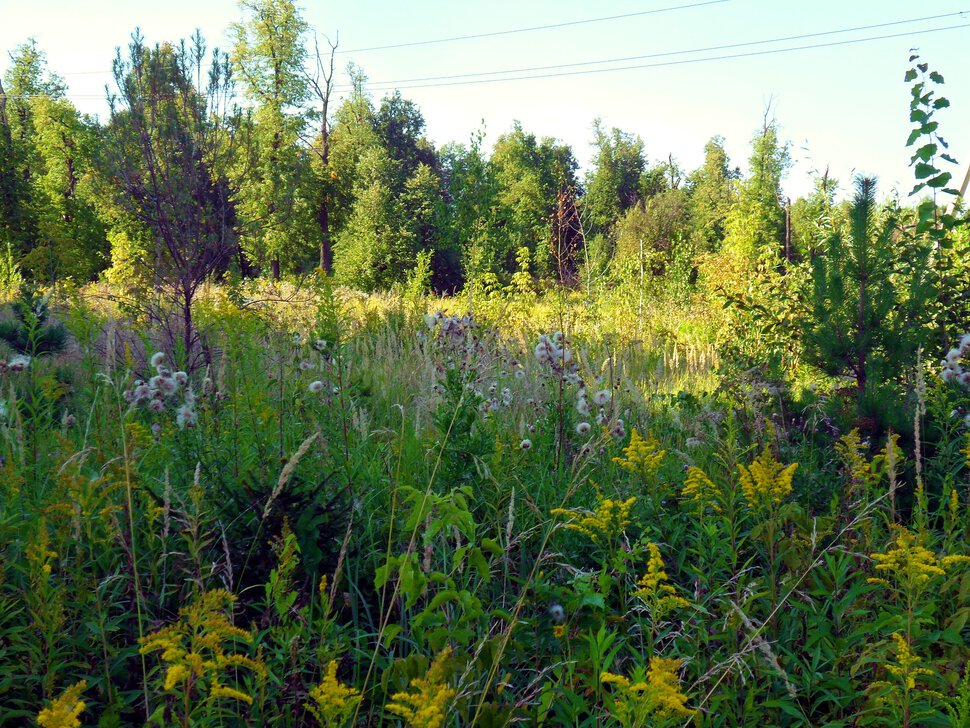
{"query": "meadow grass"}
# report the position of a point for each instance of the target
(552, 510)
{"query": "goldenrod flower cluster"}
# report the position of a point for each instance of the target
(905, 669)
(604, 524)
(911, 564)
(657, 696)
(197, 646)
(425, 705)
(766, 482)
(642, 456)
(858, 470)
(655, 590)
(700, 490)
(332, 702)
(64, 711)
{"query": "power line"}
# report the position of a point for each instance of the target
(496, 33)
(533, 28)
(385, 87)
(669, 53)
(672, 63)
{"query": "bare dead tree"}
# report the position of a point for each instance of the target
(321, 85)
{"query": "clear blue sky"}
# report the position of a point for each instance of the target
(843, 106)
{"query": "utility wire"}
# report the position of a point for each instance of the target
(496, 33)
(384, 87)
(533, 28)
(671, 53)
(670, 63)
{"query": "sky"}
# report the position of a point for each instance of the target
(843, 107)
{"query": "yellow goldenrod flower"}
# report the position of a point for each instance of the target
(197, 647)
(911, 564)
(700, 490)
(656, 694)
(222, 691)
(766, 482)
(425, 705)
(906, 669)
(604, 524)
(64, 710)
(660, 597)
(642, 456)
(858, 470)
(663, 679)
(332, 702)
(176, 674)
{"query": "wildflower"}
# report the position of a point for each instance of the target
(582, 429)
(196, 648)
(185, 417)
(604, 524)
(910, 564)
(181, 378)
(857, 469)
(18, 363)
(700, 490)
(425, 705)
(316, 387)
(525, 444)
(559, 631)
(656, 694)
(332, 702)
(156, 405)
(320, 345)
(582, 406)
(766, 482)
(906, 670)
(602, 397)
(641, 456)
(64, 710)
(157, 359)
(659, 596)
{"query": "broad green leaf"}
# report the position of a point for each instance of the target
(926, 152)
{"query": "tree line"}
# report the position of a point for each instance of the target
(217, 163)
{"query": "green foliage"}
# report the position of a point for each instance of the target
(269, 55)
(614, 184)
(712, 194)
(31, 331)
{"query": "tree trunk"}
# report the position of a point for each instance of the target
(326, 246)
(274, 266)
